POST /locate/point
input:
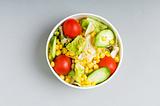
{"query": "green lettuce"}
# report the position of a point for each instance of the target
(77, 45)
(99, 26)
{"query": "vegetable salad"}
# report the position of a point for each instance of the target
(84, 52)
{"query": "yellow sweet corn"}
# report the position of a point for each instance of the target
(98, 60)
(107, 53)
(67, 54)
(68, 79)
(71, 53)
(96, 67)
(58, 52)
(52, 64)
(93, 83)
(90, 70)
(117, 59)
(84, 76)
(57, 47)
(60, 46)
(86, 70)
(111, 42)
(93, 34)
(64, 50)
(102, 55)
(62, 77)
(104, 38)
(58, 42)
(50, 56)
(90, 65)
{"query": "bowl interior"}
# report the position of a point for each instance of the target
(78, 16)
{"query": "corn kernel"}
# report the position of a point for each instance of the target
(84, 61)
(57, 47)
(98, 60)
(93, 33)
(117, 59)
(82, 79)
(102, 55)
(87, 82)
(107, 53)
(96, 67)
(104, 38)
(58, 41)
(84, 76)
(111, 42)
(64, 50)
(75, 57)
(93, 83)
(90, 65)
(62, 77)
(86, 70)
(67, 54)
(52, 64)
(90, 70)
(58, 52)
(94, 62)
(68, 79)
(71, 53)
(50, 56)
(60, 46)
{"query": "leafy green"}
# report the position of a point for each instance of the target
(84, 23)
(99, 26)
(77, 45)
(71, 73)
(79, 71)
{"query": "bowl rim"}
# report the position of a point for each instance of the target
(117, 35)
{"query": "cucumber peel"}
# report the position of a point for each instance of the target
(99, 75)
(52, 51)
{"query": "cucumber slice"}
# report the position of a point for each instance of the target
(53, 47)
(103, 38)
(99, 75)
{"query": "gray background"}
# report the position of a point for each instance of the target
(26, 80)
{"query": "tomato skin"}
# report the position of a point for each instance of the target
(62, 64)
(108, 62)
(71, 28)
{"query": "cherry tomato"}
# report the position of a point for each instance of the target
(71, 28)
(108, 62)
(62, 64)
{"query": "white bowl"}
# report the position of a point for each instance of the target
(79, 15)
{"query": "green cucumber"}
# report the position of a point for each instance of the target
(99, 75)
(53, 47)
(103, 38)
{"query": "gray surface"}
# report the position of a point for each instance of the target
(26, 80)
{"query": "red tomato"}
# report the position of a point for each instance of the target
(62, 64)
(71, 28)
(108, 62)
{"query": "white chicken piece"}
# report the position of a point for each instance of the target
(114, 51)
(90, 28)
(89, 50)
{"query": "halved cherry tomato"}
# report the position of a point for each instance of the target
(71, 28)
(108, 62)
(62, 64)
